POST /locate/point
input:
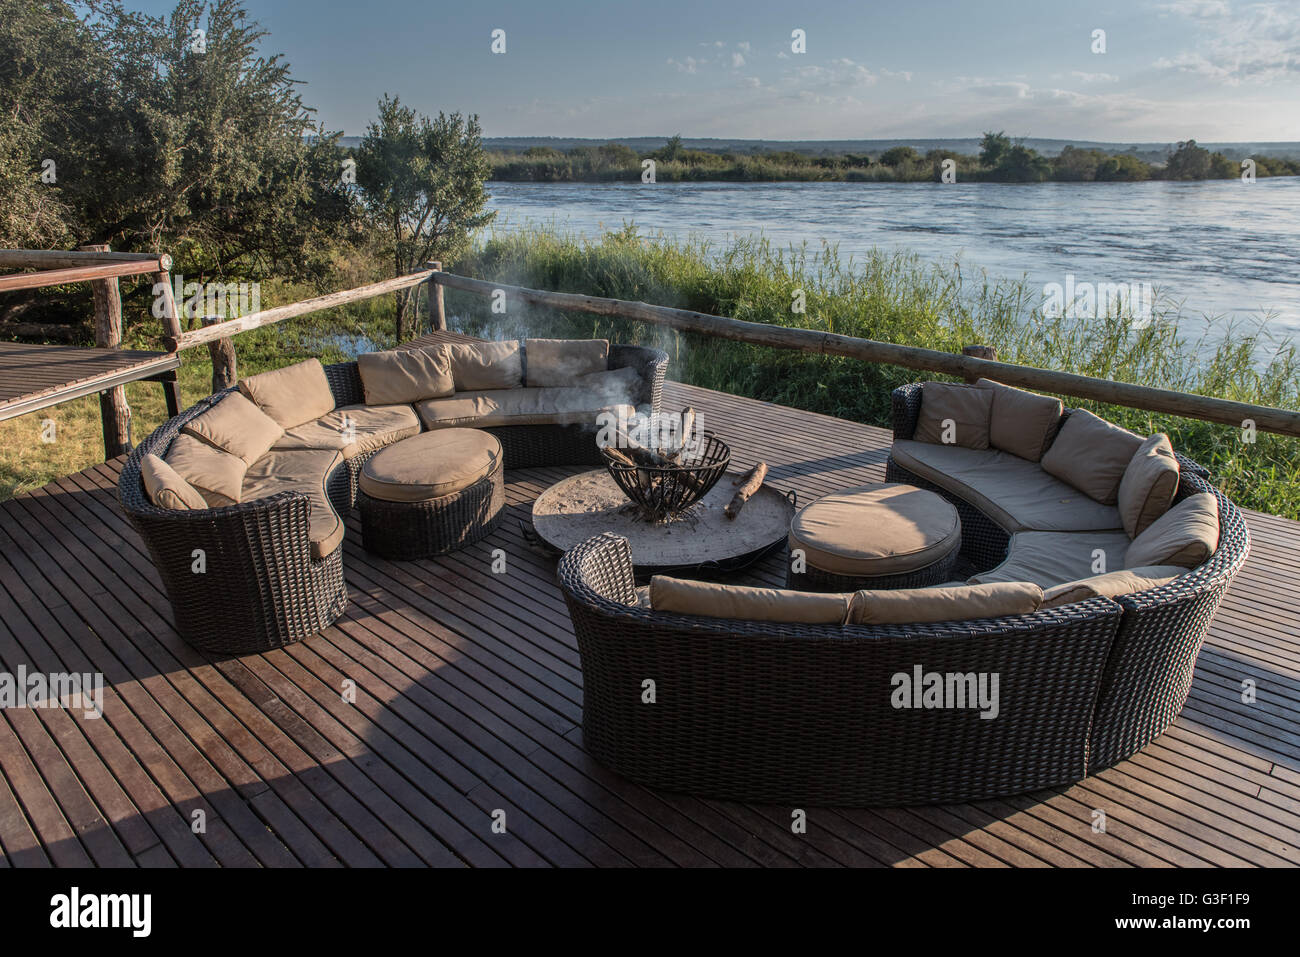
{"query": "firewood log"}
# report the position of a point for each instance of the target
(746, 491)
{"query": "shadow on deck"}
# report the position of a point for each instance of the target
(468, 701)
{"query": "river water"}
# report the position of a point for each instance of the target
(1217, 251)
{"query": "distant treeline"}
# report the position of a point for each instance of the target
(999, 160)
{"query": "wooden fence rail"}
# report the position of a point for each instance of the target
(1167, 401)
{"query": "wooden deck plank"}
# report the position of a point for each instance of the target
(34, 377)
(469, 700)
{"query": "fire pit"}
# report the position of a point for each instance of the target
(664, 491)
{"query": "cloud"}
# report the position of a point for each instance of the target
(737, 61)
(688, 65)
(1094, 77)
(1257, 43)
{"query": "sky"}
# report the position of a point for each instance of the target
(1213, 70)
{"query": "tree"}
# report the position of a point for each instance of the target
(165, 141)
(898, 155)
(672, 150)
(1188, 161)
(422, 181)
(993, 147)
(1122, 167)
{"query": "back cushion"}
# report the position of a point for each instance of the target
(1091, 454)
(217, 475)
(166, 488)
(1147, 489)
(557, 362)
(1112, 584)
(745, 603)
(1022, 423)
(484, 366)
(1185, 535)
(237, 426)
(403, 376)
(915, 606)
(613, 386)
(292, 395)
(954, 415)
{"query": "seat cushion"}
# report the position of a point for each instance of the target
(292, 395)
(480, 366)
(876, 530)
(498, 407)
(744, 603)
(916, 606)
(556, 363)
(354, 429)
(1091, 454)
(216, 473)
(1186, 535)
(1050, 558)
(237, 426)
(430, 465)
(1016, 494)
(166, 488)
(954, 415)
(1147, 489)
(1022, 423)
(1126, 581)
(398, 376)
(301, 470)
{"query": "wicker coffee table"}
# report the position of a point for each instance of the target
(431, 494)
(875, 536)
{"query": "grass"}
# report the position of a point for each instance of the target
(896, 298)
(892, 297)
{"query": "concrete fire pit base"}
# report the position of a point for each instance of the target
(703, 538)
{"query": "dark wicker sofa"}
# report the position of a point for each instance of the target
(787, 713)
(260, 586)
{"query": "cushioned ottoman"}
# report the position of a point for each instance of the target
(875, 536)
(431, 493)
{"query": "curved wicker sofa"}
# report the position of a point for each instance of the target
(261, 587)
(783, 713)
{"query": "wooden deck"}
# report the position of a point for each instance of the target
(35, 377)
(469, 700)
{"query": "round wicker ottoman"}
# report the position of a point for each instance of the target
(431, 493)
(875, 536)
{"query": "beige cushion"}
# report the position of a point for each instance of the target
(215, 473)
(306, 471)
(166, 488)
(915, 606)
(1147, 489)
(292, 395)
(1111, 585)
(558, 362)
(1185, 535)
(479, 366)
(967, 407)
(1091, 454)
(876, 530)
(400, 376)
(237, 426)
(1016, 494)
(500, 407)
(744, 603)
(1049, 558)
(354, 429)
(1022, 423)
(430, 465)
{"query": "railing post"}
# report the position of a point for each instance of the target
(114, 412)
(979, 352)
(222, 352)
(171, 324)
(437, 308)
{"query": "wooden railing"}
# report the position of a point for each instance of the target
(968, 366)
(102, 268)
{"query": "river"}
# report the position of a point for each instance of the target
(1220, 252)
